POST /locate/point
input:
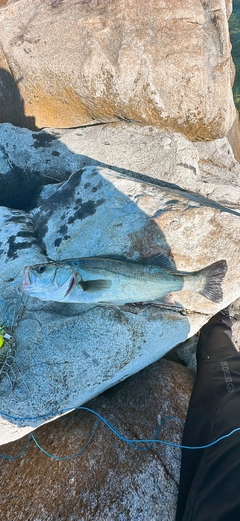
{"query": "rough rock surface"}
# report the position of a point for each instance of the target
(234, 137)
(169, 65)
(110, 480)
(29, 160)
(122, 201)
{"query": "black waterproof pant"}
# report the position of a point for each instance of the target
(209, 487)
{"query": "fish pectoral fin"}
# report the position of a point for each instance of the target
(162, 261)
(167, 300)
(95, 285)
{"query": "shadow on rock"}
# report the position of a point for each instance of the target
(12, 109)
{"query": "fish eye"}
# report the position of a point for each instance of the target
(41, 269)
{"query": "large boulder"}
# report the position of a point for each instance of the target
(135, 191)
(109, 480)
(68, 63)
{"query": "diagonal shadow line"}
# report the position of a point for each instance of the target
(187, 194)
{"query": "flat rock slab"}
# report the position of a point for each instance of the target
(29, 160)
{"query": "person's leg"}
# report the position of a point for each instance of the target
(218, 377)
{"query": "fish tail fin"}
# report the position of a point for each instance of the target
(212, 277)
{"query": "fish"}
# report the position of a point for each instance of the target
(115, 280)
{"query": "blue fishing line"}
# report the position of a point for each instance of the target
(134, 443)
(170, 444)
(11, 458)
(165, 419)
(65, 458)
(52, 456)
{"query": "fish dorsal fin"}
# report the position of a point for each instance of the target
(161, 261)
(95, 285)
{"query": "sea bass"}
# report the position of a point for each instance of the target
(113, 280)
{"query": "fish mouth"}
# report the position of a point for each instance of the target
(27, 284)
(27, 281)
(71, 285)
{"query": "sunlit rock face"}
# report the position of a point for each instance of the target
(69, 63)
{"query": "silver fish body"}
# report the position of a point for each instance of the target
(107, 280)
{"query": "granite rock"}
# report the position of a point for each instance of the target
(169, 65)
(30, 160)
(109, 480)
